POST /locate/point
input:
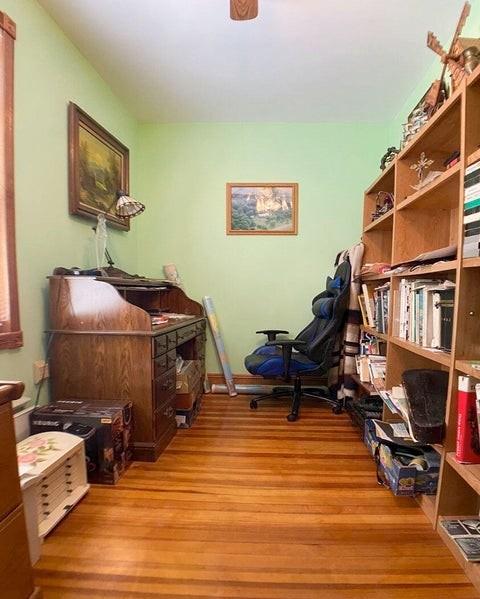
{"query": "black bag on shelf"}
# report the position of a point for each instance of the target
(426, 393)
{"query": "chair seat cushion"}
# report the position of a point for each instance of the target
(272, 364)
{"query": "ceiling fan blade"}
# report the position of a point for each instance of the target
(243, 10)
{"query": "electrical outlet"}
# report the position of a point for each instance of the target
(40, 371)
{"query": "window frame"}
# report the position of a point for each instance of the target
(13, 337)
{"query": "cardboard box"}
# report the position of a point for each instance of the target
(105, 425)
(186, 418)
(189, 377)
(402, 479)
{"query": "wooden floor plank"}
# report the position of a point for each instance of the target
(245, 505)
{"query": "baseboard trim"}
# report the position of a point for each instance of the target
(215, 378)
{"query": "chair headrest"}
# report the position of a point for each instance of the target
(323, 307)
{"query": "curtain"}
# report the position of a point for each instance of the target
(343, 367)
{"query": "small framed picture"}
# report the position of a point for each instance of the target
(262, 208)
(98, 168)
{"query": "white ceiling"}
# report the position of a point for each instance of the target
(300, 60)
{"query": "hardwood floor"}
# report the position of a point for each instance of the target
(246, 505)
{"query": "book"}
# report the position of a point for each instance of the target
(363, 309)
(467, 449)
(368, 306)
(470, 547)
(466, 534)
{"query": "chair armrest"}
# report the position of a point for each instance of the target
(287, 346)
(272, 333)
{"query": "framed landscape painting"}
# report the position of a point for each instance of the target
(262, 208)
(98, 168)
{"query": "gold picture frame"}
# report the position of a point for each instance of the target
(98, 168)
(262, 208)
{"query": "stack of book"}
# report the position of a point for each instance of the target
(375, 308)
(372, 369)
(471, 212)
(372, 346)
(426, 312)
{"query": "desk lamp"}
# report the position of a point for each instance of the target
(125, 207)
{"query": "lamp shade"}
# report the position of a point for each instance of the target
(127, 207)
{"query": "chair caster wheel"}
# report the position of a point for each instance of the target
(337, 410)
(292, 417)
(253, 405)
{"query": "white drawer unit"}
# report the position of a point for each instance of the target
(52, 468)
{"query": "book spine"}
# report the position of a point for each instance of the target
(467, 448)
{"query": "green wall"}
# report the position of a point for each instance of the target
(255, 281)
(50, 72)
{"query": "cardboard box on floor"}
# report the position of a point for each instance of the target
(189, 380)
(188, 377)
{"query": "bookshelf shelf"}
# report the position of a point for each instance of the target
(447, 266)
(473, 157)
(442, 193)
(471, 262)
(373, 331)
(439, 357)
(375, 277)
(465, 367)
(368, 388)
(469, 472)
(385, 222)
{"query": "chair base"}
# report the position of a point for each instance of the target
(296, 393)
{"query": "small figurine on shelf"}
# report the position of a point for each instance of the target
(383, 204)
(388, 157)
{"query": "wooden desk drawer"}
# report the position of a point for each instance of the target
(200, 326)
(164, 363)
(159, 345)
(172, 340)
(186, 333)
(15, 569)
(164, 418)
(164, 388)
(10, 495)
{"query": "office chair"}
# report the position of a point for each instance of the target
(313, 347)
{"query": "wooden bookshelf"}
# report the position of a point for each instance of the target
(427, 220)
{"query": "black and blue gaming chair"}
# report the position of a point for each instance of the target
(310, 353)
